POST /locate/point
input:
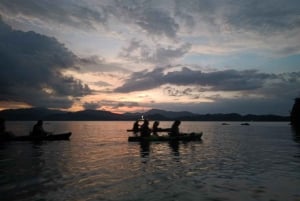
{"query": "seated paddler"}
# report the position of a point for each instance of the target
(38, 130)
(174, 130)
(145, 130)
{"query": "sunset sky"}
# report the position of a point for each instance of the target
(202, 56)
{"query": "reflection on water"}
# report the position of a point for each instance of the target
(144, 148)
(231, 163)
(174, 146)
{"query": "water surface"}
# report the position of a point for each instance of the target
(232, 162)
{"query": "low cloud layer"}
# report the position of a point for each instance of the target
(245, 87)
(280, 106)
(226, 80)
(32, 70)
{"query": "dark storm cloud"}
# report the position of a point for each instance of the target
(31, 70)
(139, 52)
(227, 80)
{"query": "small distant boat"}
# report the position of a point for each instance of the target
(52, 137)
(181, 137)
(245, 124)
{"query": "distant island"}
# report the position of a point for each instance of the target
(33, 114)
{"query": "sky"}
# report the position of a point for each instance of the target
(202, 56)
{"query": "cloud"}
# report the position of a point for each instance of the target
(32, 68)
(109, 104)
(71, 13)
(267, 16)
(142, 80)
(90, 15)
(193, 93)
(158, 23)
(160, 18)
(117, 104)
(139, 52)
(246, 91)
(94, 64)
(143, 34)
(91, 105)
(228, 24)
(268, 28)
(226, 80)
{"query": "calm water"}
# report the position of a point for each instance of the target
(233, 162)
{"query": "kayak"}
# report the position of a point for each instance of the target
(181, 137)
(51, 137)
(158, 130)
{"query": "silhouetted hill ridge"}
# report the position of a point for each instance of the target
(27, 114)
(32, 114)
(169, 114)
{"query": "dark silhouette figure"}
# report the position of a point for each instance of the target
(155, 128)
(38, 129)
(4, 135)
(174, 131)
(145, 130)
(135, 128)
(295, 114)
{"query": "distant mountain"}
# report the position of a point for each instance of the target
(86, 115)
(32, 114)
(156, 114)
(28, 114)
(169, 114)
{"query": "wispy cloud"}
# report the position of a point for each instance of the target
(139, 52)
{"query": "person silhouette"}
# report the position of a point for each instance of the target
(38, 130)
(155, 128)
(135, 128)
(174, 131)
(145, 130)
